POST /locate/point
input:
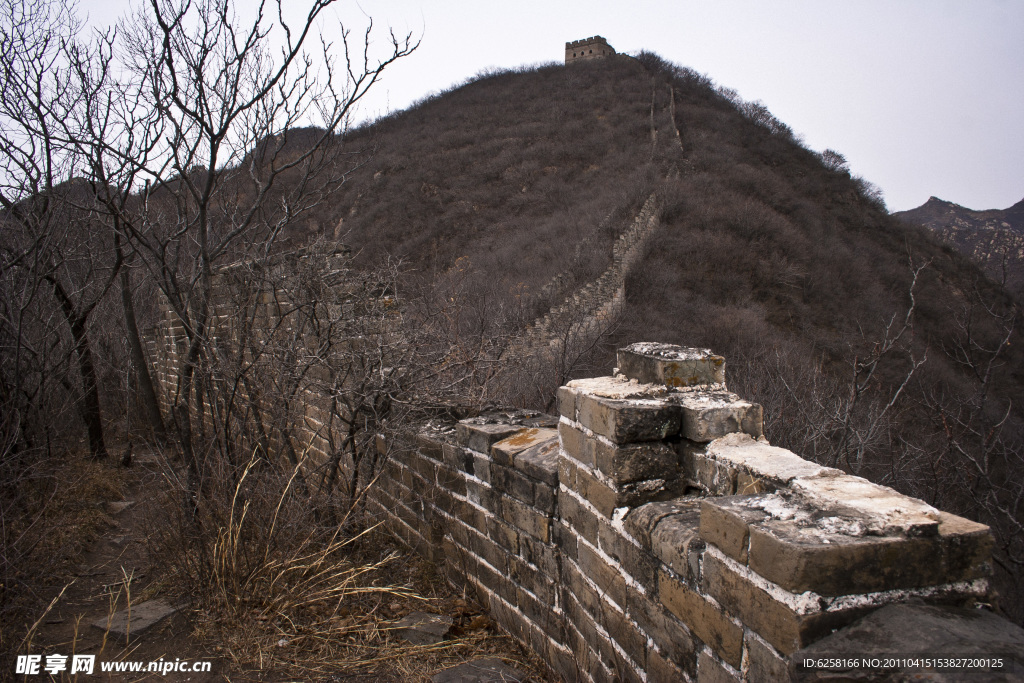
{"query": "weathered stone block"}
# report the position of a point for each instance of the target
(566, 401)
(540, 461)
(967, 547)
(705, 619)
(457, 457)
(712, 476)
(451, 480)
(471, 516)
(725, 523)
(545, 498)
(763, 663)
(628, 420)
(576, 443)
(667, 631)
(498, 582)
(788, 625)
(636, 563)
(671, 365)
(636, 462)
(578, 518)
(481, 494)
(565, 539)
(676, 539)
(425, 467)
(886, 510)
(444, 500)
(582, 592)
(505, 451)
(811, 559)
(503, 534)
(536, 609)
(543, 555)
(599, 494)
(640, 521)
(429, 444)
(567, 468)
(593, 650)
(761, 462)
(632, 650)
(526, 518)
(564, 663)
(481, 468)
(707, 416)
(512, 482)
(661, 669)
(710, 670)
(479, 436)
(608, 578)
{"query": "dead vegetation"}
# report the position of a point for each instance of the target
(274, 591)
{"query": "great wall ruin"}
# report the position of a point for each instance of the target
(590, 310)
(650, 533)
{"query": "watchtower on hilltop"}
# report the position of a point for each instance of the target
(587, 48)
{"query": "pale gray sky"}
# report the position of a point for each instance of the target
(924, 97)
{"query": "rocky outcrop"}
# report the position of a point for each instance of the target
(993, 238)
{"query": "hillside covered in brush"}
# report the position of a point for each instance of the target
(528, 173)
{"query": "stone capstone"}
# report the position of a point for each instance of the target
(670, 365)
(840, 550)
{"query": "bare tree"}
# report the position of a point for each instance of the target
(978, 457)
(849, 422)
(52, 232)
(229, 139)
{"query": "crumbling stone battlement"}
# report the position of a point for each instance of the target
(651, 533)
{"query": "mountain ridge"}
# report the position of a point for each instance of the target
(994, 238)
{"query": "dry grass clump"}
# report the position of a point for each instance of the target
(280, 591)
(50, 510)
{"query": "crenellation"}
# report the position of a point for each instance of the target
(593, 47)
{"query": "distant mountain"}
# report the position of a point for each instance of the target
(994, 238)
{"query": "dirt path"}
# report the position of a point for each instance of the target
(112, 575)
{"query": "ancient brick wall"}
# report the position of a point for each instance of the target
(650, 533)
(591, 308)
(244, 304)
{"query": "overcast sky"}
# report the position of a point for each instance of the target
(924, 97)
